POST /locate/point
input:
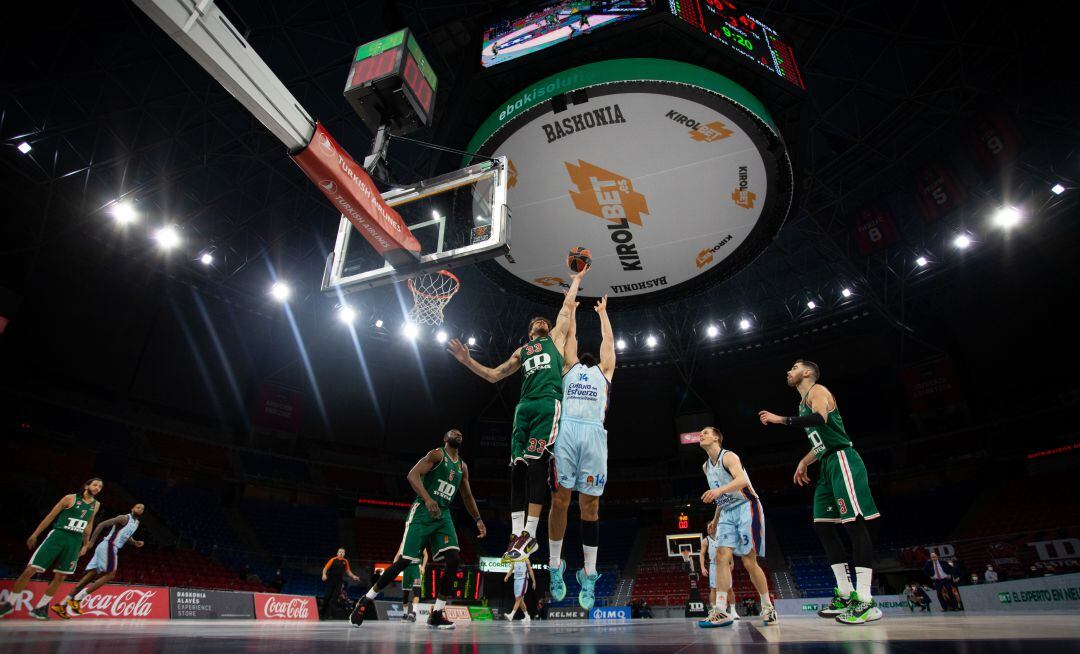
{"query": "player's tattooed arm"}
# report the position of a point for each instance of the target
(607, 342)
(570, 356)
(470, 501)
(422, 467)
(461, 352)
(558, 332)
(66, 502)
(739, 479)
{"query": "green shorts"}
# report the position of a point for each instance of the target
(411, 576)
(536, 426)
(842, 492)
(421, 530)
(59, 551)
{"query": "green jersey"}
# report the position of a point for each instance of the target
(442, 481)
(827, 438)
(541, 370)
(74, 520)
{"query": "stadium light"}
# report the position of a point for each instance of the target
(440, 336)
(280, 291)
(409, 330)
(962, 242)
(712, 331)
(472, 341)
(206, 259)
(378, 324)
(167, 237)
(921, 262)
(650, 341)
(1057, 189)
(123, 213)
(24, 147)
(744, 324)
(811, 305)
(346, 314)
(620, 344)
(846, 292)
(1007, 217)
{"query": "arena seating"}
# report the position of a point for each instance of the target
(189, 452)
(193, 512)
(182, 568)
(312, 530)
(269, 466)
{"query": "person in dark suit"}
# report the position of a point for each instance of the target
(941, 573)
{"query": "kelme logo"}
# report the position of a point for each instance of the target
(511, 179)
(605, 194)
(714, 131)
(742, 195)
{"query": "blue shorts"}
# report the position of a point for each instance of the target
(579, 459)
(521, 586)
(742, 528)
(104, 560)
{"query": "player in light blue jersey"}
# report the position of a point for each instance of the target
(739, 525)
(709, 545)
(102, 568)
(580, 456)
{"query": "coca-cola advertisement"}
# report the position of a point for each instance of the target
(109, 601)
(275, 606)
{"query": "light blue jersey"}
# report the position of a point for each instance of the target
(585, 394)
(719, 476)
(119, 536)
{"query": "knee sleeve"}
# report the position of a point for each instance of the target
(392, 572)
(538, 482)
(862, 548)
(452, 561)
(519, 486)
(830, 540)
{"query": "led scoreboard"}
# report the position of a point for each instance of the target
(390, 79)
(741, 33)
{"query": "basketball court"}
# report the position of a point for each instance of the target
(930, 635)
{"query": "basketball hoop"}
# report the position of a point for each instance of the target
(431, 293)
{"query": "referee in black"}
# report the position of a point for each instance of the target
(334, 575)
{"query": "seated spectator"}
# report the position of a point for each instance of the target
(990, 576)
(973, 580)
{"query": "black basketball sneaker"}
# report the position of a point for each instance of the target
(437, 620)
(359, 612)
(837, 607)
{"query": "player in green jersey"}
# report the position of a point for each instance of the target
(842, 495)
(536, 418)
(436, 479)
(72, 522)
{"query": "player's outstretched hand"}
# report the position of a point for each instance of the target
(802, 478)
(458, 350)
(580, 275)
(31, 543)
(710, 496)
(481, 529)
(601, 305)
(768, 418)
(433, 508)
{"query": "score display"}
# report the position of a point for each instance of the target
(385, 66)
(725, 22)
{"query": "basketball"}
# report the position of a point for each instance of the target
(578, 258)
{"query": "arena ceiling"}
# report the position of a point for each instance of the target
(112, 108)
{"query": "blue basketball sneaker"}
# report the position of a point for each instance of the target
(558, 586)
(587, 595)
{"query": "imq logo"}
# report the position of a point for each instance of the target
(611, 197)
(742, 195)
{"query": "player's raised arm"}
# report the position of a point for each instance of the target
(558, 332)
(470, 501)
(819, 398)
(570, 356)
(461, 352)
(607, 343)
(422, 467)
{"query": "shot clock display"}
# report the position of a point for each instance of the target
(388, 66)
(742, 33)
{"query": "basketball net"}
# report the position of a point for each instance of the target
(431, 293)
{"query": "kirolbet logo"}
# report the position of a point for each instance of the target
(552, 281)
(611, 197)
(742, 195)
(714, 131)
(705, 257)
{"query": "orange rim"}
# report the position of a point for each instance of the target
(440, 296)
